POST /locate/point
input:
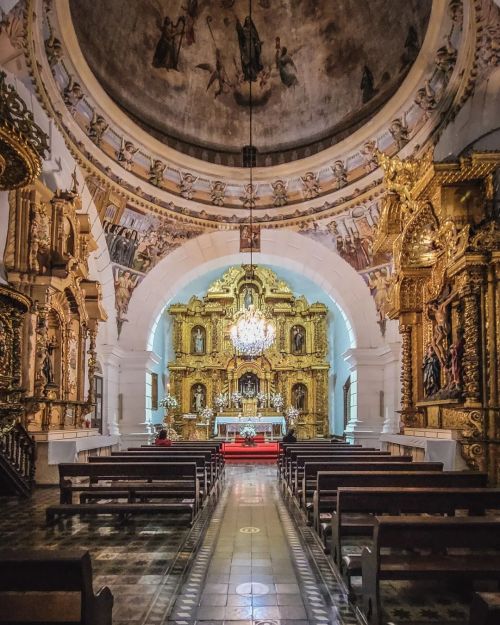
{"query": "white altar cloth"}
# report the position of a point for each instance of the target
(66, 450)
(261, 424)
(436, 449)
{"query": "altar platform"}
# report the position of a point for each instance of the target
(263, 451)
(273, 426)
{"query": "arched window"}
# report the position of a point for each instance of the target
(198, 340)
(299, 397)
(298, 340)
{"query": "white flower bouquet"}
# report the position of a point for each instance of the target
(236, 398)
(221, 401)
(248, 432)
(261, 399)
(277, 401)
(169, 402)
(207, 413)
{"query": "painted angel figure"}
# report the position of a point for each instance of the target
(280, 194)
(126, 154)
(156, 171)
(310, 185)
(218, 192)
(285, 65)
(339, 171)
(186, 183)
(218, 74)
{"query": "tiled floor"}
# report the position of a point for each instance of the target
(246, 562)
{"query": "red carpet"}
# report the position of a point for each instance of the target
(261, 451)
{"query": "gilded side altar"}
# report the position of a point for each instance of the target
(441, 223)
(296, 366)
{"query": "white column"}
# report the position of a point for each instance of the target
(392, 388)
(110, 357)
(136, 428)
(367, 384)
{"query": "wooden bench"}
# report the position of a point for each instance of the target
(437, 547)
(327, 484)
(298, 469)
(356, 507)
(485, 609)
(131, 481)
(203, 463)
(312, 469)
(51, 587)
(291, 456)
(186, 446)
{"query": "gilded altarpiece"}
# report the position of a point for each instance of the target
(296, 366)
(50, 319)
(441, 222)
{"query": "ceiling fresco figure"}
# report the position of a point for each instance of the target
(169, 45)
(250, 49)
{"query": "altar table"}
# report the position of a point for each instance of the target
(261, 424)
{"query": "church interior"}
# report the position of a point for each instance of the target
(250, 312)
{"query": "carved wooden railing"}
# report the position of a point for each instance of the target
(17, 459)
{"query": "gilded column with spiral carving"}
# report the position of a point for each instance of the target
(406, 368)
(471, 359)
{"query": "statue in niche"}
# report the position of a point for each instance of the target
(250, 49)
(48, 366)
(299, 397)
(198, 340)
(298, 339)
(248, 297)
(198, 398)
(432, 372)
(438, 312)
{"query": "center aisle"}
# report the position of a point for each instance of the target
(252, 567)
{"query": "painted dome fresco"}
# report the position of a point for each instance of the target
(318, 69)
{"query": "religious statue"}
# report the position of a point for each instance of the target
(248, 298)
(198, 398)
(299, 397)
(438, 311)
(432, 372)
(168, 47)
(250, 49)
(198, 341)
(48, 367)
(298, 339)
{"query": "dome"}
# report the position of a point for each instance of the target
(319, 69)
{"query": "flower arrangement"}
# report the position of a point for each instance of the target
(248, 432)
(169, 402)
(277, 401)
(292, 414)
(261, 399)
(221, 401)
(236, 398)
(207, 413)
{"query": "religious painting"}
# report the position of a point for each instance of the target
(298, 340)
(198, 397)
(299, 397)
(198, 340)
(249, 238)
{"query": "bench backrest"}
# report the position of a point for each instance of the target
(330, 481)
(199, 459)
(406, 500)
(417, 532)
(141, 470)
(302, 460)
(311, 469)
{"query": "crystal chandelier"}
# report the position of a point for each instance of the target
(252, 333)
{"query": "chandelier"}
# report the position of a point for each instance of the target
(252, 333)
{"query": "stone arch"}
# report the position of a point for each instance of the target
(280, 248)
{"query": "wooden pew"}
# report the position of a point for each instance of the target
(298, 468)
(289, 457)
(203, 464)
(485, 609)
(433, 542)
(177, 482)
(327, 484)
(214, 448)
(312, 469)
(50, 587)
